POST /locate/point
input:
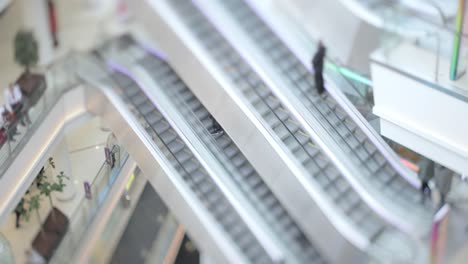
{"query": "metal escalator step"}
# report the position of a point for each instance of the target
(197, 176)
(239, 160)
(168, 136)
(190, 166)
(311, 167)
(301, 154)
(254, 181)
(261, 107)
(130, 91)
(139, 98)
(206, 189)
(154, 120)
(146, 108)
(230, 151)
(290, 141)
(246, 171)
(270, 201)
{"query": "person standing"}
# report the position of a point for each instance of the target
(443, 181)
(425, 174)
(19, 211)
(16, 103)
(113, 146)
(317, 63)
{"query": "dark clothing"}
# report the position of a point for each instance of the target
(425, 174)
(319, 83)
(319, 58)
(19, 210)
(443, 181)
(215, 127)
(318, 62)
(21, 111)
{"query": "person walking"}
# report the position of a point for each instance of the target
(425, 174)
(317, 63)
(19, 211)
(215, 127)
(443, 181)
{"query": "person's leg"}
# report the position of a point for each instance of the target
(11, 132)
(25, 110)
(319, 83)
(18, 215)
(17, 109)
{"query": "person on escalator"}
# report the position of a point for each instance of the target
(215, 127)
(317, 63)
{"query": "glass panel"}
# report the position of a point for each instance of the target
(60, 77)
(87, 209)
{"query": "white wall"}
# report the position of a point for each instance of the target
(417, 115)
(348, 37)
(36, 18)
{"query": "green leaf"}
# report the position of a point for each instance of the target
(26, 48)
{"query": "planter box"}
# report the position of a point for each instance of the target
(32, 86)
(48, 241)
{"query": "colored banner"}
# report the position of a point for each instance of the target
(456, 70)
(439, 235)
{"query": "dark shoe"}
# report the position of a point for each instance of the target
(216, 131)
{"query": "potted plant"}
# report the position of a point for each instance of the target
(27, 55)
(34, 203)
(26, 49)
(56, 224)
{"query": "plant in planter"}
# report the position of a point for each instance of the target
(47, 188)
(26, 49)
(34, 203)
(56, 224)
(27, 55)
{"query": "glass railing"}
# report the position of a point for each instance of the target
(109, 236)
(88, 207)
(59, 78)
(441, 39)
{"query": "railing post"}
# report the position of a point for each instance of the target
(437, 58)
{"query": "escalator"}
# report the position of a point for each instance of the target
(372, 163)
(242, 172)
(321, 180)
(217, 222)
(192, 172)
